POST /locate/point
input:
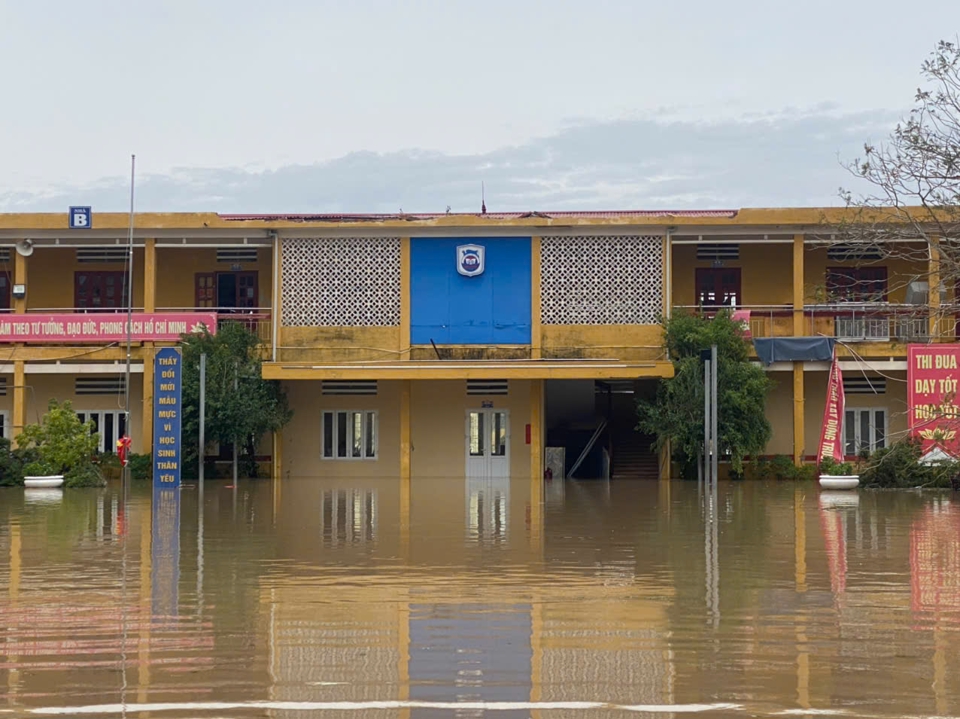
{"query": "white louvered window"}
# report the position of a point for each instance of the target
(864, 429)
(104, 255)
(349, 434)
(864, 385)
(487, 386)
(110, 385)
(719, 252)
(110, 425)
(234, 255)
(349, 387)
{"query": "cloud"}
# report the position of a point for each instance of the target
(792, 158)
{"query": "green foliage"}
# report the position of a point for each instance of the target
(828, 465)
(676, 414)
(782, 467)
(240, 405)
(141, 466)
(63, 445)
(11, 465)
(898, 466)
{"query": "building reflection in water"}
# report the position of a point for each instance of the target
(488, 509)
(165, 552)
(348, 516)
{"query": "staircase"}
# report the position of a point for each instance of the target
(633, 457)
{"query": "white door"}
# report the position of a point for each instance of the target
(488, 443)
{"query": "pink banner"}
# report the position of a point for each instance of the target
(831, 443)
(104, 327)
(933, 373)
(743, 318)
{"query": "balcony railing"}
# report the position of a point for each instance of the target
(850, 322)
(255, 319)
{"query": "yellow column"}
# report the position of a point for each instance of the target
(150, 275)
(405, 446)
(19, 398)
(19, 278)
(278, 454)
(798, 406)
(404, 298)
(13, 676)
(146, 422)
(798, 331)
(665, 459)
(933, 271)
(536, 343)
(798, 328)
(536, 430)
(146, 593)
(537, 436)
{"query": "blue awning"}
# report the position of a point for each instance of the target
(794, 349)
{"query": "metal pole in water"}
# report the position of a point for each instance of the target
(715, 448)
(236, 386)
(203, 416)
(706, 421)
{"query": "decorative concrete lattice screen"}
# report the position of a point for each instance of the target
(341, 282)
(601, 280)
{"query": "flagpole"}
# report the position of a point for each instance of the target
(126, 408)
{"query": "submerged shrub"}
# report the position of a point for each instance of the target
(898, 466)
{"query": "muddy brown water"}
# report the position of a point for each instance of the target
(356, 598)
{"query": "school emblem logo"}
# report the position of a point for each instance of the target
(470, 260)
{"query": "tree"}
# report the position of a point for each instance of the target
(241, 406)
(913, 206)
(62, 444)
(676, 414)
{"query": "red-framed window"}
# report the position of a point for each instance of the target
(718, 286)
(857, 284)
(99, 290)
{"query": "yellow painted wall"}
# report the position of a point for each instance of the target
(625, 342)
(438, 426)
(50, 275)
(176, 269)
(899, 273)
(780, 413)
(766, 274)
(41, 388)
(302, 438)
(339, 344)
(894, 400)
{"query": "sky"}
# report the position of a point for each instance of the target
(380, 106)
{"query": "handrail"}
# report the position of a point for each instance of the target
(586, 450)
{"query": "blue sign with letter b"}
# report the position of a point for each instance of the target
(167, 411)
(81, 218)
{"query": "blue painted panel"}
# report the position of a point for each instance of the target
(491, 308)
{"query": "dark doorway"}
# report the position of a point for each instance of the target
(718, 287)
(227, 290)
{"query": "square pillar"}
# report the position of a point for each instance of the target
(19, 399)
(933, 288)
(19, 278)
(150, 275)
(404, 348)
(798, 328)
(405, 446)
(146, 421)
(798, 406)
(536, 343)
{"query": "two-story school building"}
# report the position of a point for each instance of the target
(451, 344)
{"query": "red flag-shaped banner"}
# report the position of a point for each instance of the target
(831, 443)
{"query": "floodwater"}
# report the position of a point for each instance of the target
(368, 598)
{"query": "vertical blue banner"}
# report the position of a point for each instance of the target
(165, 553)
(167, 411)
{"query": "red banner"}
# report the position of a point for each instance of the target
(104, 327)
(831, 443)
(932, 375)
